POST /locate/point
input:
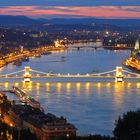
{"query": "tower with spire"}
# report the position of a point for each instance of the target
(137, 45)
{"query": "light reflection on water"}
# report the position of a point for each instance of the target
(92, 107)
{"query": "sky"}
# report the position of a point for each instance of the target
(71, 8)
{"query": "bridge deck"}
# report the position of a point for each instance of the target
(116, 73)
(70, 76)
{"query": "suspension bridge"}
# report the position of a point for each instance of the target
(119, 74)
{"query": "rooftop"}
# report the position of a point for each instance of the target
(36, 117)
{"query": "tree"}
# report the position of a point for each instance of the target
(128, 126)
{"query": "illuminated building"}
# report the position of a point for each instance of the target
(45, 126)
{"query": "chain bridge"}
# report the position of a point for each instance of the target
(119, 74)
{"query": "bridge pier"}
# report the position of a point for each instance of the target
(119, 74)
(27, 75)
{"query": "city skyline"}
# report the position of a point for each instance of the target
(71, 8)
(70, 69)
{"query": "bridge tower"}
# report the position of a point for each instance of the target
(27, 75)
(119, 74)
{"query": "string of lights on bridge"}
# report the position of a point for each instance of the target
(27, 73)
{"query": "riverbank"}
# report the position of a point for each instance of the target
(45, 126)
(133, 64)
(29, 53)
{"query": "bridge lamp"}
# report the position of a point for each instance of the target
(78, 84)
(38, 75)
(99, 84)
(16, 84)
(47, 84)
(129, 84)
(68, 74)
(108, 84)
(68, 85)
(138, 85)
(6, 85)
(59, 74)
(59, 85)
(37, 85)
(87, 84)
(87, 74)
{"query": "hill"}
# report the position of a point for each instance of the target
(17, 20)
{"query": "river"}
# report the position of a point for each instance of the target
(91, 105)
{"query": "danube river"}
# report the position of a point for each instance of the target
(91, 105)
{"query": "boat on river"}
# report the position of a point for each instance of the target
(24, 98)
(19, 92)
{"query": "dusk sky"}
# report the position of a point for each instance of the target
(72, 8)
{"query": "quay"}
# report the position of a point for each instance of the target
(26, 54)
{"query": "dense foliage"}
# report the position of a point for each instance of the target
(128, 126)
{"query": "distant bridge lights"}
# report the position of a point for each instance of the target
(47, 84)
(138, 85)
(78, 74)
(87, 85)
(38, 75)
(108, 75)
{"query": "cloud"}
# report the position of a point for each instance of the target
(69, 11)
(129, 8)
(70, 2)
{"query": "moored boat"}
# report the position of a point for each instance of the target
(26, 99)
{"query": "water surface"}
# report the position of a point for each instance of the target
(92, 105)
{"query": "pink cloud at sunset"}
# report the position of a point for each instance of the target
(94, 11)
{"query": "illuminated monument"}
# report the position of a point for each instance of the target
(137, 46)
